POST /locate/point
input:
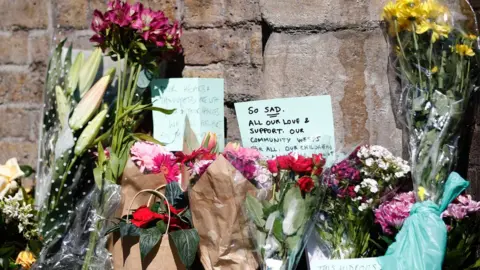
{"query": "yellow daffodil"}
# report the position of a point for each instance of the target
(8, 173)
(26, 259)
(434, 70)
(438, 30)
(463, 50)
(421, 193)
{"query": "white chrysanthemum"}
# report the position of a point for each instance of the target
(371, 184)
(369, 162)
(357, 188)
(363, 207)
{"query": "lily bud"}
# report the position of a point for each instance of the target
(89, 71)
(210, 141)
(90, 102)
(73, 74)
(26, 259)
(90, 132)
(63, 106)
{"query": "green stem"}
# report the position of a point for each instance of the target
(419, 67)
(398, 39)
(441, 73)
(64, 178)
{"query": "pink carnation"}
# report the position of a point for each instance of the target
(393, 213)
(461, 207)
(143, 154)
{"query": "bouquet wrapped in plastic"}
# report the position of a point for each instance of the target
(434, 53)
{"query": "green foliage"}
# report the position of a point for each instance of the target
(186, 242)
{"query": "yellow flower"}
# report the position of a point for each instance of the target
(434, 70)
(438, 30)
(8, 173)
(25, 259)
(410, 9)
(434, 11)
(421, 193)
(470, 36)
(462, 49)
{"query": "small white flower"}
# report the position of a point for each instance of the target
(357, 188)
(383, 165)
(399, 174)
(374, 189)
(369, 201)
(362, 207)
(369, 162)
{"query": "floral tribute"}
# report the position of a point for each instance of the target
(149, 223)
(19, 239)
(281, 221)
(355, 186)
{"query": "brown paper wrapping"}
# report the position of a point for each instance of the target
(126, 251)
(216, 202)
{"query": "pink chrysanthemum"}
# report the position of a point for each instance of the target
(461, 207)
(393, 213)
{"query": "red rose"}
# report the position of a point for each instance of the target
(317, 171)
(302, 165)
(143, 216)
(272, 166)
(174, 210)
(284, 162)
(306, 183)
(318, 160)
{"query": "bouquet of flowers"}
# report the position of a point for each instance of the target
(434, 53)
(281, 220)
(355, 186)
(460, 218)
(19, 242)
(77, 189)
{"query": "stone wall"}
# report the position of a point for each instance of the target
(263, 49)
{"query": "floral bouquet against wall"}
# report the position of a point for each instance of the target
(356, 186)
(83, 119)
(281, 221)
(19, 239)
(461, 219)
(434, 54)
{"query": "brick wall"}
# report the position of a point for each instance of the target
(263, 49)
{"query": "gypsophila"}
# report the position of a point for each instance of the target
(15, 209)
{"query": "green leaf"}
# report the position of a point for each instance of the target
(159, 207)
(162, 110)
(114, 228)
(27, 170)
(98, 176)
(261, 238)
(101, 153)
(172, 192)
(146, 137)
(148, 239)
(186, 242)
(277, 230)
(161, 226)
(294, 211)
(186, 216)
(7, 251)
(128, 229)
(293, 246)
(271, 219)
(255, 210)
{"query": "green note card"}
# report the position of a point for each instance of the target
(349, 264)
(303, 125)
(199, 99)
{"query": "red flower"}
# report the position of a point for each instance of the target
(306, 183)
(176, 224)
(173, 209)
(318, 160)
(272, 166)
(302, 165)
(284, 162)
(144, 216)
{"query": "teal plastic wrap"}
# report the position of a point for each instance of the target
(421, 243)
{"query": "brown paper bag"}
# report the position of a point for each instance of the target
(126, 251)
(216, 202)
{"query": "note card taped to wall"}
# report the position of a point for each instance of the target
(199, 99)
(303, 125)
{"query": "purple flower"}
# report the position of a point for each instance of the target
(461, 207)
(393, 213)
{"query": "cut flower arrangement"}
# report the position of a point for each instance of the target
(19, 239)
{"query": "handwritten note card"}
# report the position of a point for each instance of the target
(350, 264)
(279, 126)
(199, 99)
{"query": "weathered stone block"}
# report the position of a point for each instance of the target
(21, 87)
(231, 123)
(320, 13)
(210, 71)
(207, 46)
(71, 14)
(23, 14)
(243, 83)
(14, 48)
(25, 152)
(200, 13)
(347, 65)
(242, 10)
(17, 122)
(39, 47)
(169, 7)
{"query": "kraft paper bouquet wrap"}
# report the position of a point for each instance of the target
(91, 119)
(434, 54)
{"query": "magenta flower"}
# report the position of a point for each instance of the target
(391, 215)
(166, 164)
(151, 25)
(99, 23)
(461, 207)
(120, 14)
(143, 154)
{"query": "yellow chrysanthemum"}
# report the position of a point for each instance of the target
(434, 11)
(470, 36)
(434, 70)
(421, 193)
(438, 30)
(392, 14)
(410, 9)
(463, 50)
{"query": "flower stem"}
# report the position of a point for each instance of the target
(419, 67)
